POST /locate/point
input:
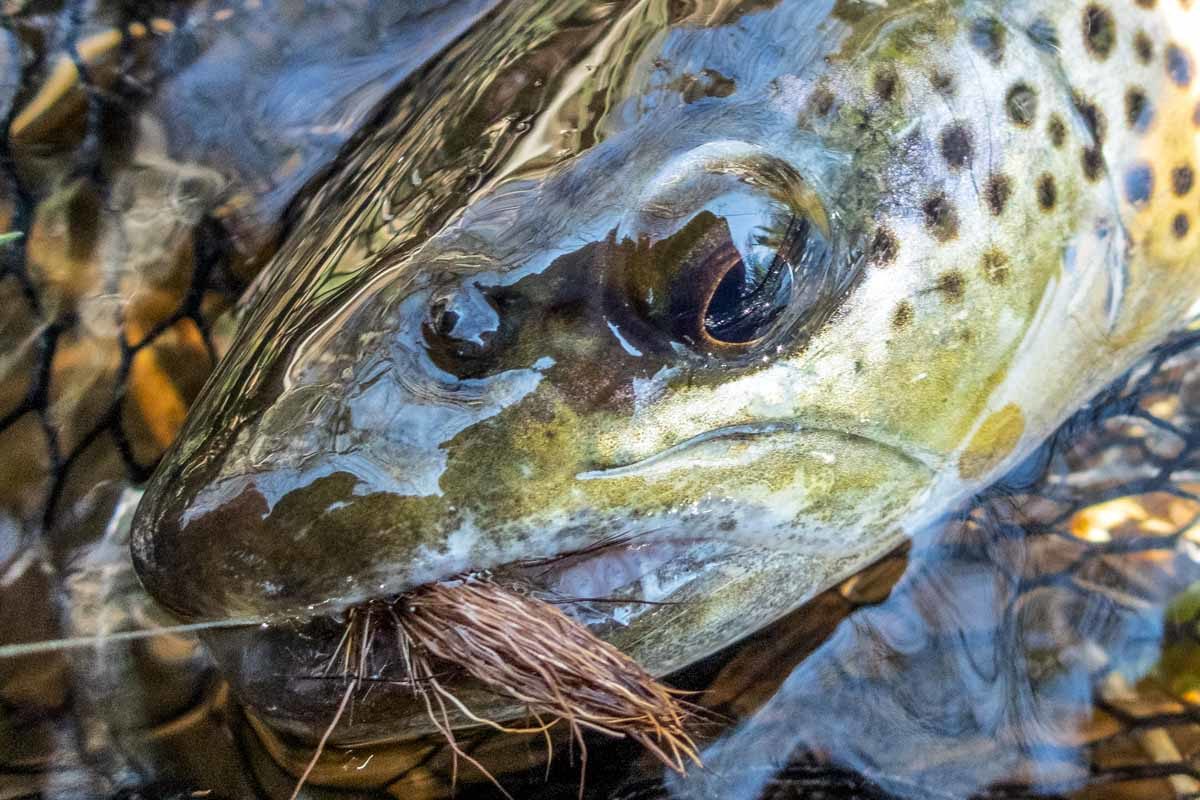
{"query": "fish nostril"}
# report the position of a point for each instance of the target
(462, 318)
(460, 328)
(443, 319)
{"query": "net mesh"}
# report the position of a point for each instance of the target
(122, 266)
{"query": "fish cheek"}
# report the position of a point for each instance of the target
(519, 464)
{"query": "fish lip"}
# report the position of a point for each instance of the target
(299, 708)
(751, 430)
(550, 577)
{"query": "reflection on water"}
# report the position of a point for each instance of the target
(1041, 643)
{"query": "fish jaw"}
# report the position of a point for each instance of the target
(672, 583)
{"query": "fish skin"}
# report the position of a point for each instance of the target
(1005, 220)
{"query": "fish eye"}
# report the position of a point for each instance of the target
(741, 268)
(751, 284)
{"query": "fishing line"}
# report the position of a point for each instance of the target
(79, 642)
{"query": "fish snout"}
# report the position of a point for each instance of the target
(276, 541)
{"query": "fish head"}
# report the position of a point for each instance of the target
(783, 309)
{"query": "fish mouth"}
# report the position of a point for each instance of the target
(667, 593)
(293, 673)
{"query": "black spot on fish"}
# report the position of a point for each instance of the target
(1139, 184)
(886, 82)
(1047, 192)
(1099, 31)
(903, 315)
(1180, 225)
(1043, 34)
(942, 83)
(1145, 3)
(1057, 130)
(988, 37)
(995, 266)
(884, 247)
(1143, 46)
(1139, 113)
(1092, 116)
(1179, 65)
(1093, 163)
(951, 286)
(957, 147)
(940, 217)
(997, 190)
(1182, 179)
(1021, 104)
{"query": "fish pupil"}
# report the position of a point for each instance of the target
(748, 300)
(741, 309)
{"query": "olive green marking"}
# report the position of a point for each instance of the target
(709, 83)
(1047, 192)
(1093, 163)
(1139, 112)
(993, 442)
(995, 266)
(886, 83)
(884, 247)
(951, 285)
(1057, 130)
(943, 83)
(822, 102)
(1143, 47)
(1092, 116)
(903, 315)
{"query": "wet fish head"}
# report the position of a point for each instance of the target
(827, 269)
